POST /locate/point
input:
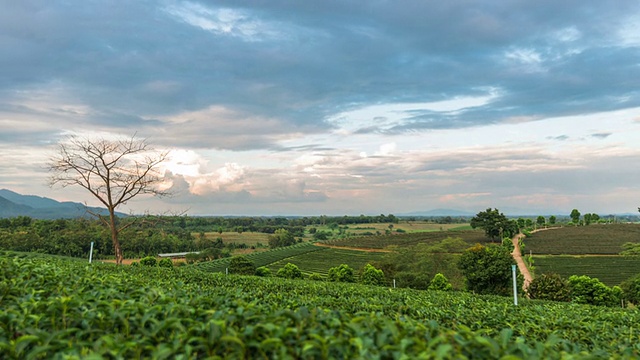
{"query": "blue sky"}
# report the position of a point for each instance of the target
(335, 107)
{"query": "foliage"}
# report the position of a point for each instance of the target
(242, 266)
(316, 277)
(342, 273)
(630, 249)
(549, 287)
(440, 283)
(372, 276)
(495, 224)
(575, 216)
(631, 290)
(487, 269)
(587, 290)
(263, 271)
(290, 271)
(166, 262)
(149, 261)
(415, 266)
(281, 238)
(58, 308)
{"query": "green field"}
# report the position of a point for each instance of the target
(598, 239)
(382, 241)
(262, 258)
(611, 270)
(53, 308)
(321, 261)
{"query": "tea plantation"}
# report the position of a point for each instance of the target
(56, 308)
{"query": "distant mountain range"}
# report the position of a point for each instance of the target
(13, 204)
(439, 212)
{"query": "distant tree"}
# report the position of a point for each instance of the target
(372, 276)
(113, 171)
(342, 273)
(289, 271)
(528, 223)
(552, 220)
(440, 283)
(587, 218)
(495, 224)
(575, 216)
(281, 238)
(540, 221)
(487, 269)
(242, 266)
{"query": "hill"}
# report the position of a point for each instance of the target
(13, 204)
(151, 312)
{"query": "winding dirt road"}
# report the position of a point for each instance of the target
(517, 256)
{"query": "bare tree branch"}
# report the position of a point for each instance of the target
(113, 172)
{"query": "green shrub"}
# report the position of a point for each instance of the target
(440, 282)
(631, 290)
(316, 277)
(263, 271)
(242, 266)
(149, 261)
(342, 273)
(290, 271)
(166, 262)
(587, 290)
(487, 269)
(372, 276)
(135, 263)
(549, 287)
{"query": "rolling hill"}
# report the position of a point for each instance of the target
(13, 204)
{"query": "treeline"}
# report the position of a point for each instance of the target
(74, 237)
(270, 224)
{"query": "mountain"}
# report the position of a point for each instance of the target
(13, 204)
(439, 212)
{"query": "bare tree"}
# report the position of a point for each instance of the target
(113, 171)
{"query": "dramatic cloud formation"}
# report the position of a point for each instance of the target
(335, 107)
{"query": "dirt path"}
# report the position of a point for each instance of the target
(517, 256)
(352, 248)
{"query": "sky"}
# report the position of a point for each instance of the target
(334, 107)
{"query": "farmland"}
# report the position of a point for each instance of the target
(409, 239)
(58, 308)
(320, 262)
(611, 270)
(581, 240)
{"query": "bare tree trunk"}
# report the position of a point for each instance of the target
(114, 236)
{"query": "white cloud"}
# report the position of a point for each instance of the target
(224, 21)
